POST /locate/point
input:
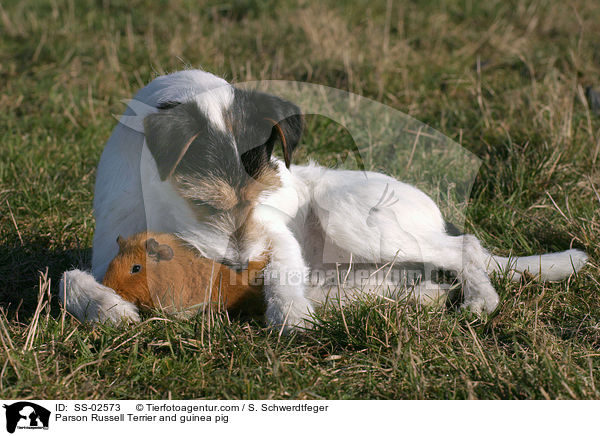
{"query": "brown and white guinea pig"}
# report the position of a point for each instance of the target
(159, 271)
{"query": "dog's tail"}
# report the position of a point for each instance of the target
(550, 266)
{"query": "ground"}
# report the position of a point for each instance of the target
(511, 81)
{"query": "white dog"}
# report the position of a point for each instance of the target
(199, 164)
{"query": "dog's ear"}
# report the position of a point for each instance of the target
(287, 124)
(169, 134)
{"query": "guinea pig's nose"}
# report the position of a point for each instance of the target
(240, 266)
(237, 265)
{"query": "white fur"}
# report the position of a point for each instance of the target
(550, 266)
(88, 300)
(359, 216)
(409, 230)
(213, 102)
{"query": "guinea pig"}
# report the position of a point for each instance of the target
(159, 271)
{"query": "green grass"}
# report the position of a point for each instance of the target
(504, 79)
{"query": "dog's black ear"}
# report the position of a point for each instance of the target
(287, 124)
(169, 134)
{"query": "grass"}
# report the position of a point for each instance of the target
(506, 80)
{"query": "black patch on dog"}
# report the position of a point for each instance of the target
(451, 229)
(184, 143)
(259, 121)
(168, 133)
(167, 104)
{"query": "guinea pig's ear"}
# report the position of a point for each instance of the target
(169, 134)
(121, 242)
(158, 251)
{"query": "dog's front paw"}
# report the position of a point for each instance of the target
(91, 301)
(297, 325)
(296, 317)
(481, 305)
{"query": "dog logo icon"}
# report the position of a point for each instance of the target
(26, 415)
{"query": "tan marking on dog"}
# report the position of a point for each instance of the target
(219, 194)
(267, 180)
(213, 191)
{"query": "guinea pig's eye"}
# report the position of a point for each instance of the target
(136, 269)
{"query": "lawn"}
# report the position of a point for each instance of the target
(513, 82)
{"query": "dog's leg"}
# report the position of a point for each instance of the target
(402, 225)
(286, 274)
(462, 254)
(91, 301)
(285, 281)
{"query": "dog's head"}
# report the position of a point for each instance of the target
(216, 149)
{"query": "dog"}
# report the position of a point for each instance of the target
(200, 165)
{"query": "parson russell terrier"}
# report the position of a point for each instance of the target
(201, 167)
